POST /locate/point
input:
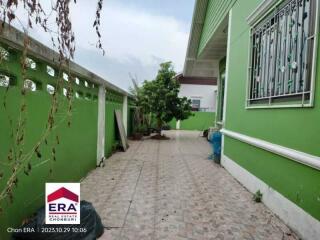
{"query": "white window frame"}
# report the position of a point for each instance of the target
(196, 99)
(258, 15)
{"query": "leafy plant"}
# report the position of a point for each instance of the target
(257, 197)
(140, 128)
(159, 97)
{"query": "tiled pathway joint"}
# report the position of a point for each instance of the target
(170, 190)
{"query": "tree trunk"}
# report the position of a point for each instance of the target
(159, 123)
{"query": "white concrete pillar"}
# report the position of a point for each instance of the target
(101, 124)
(178, 125)
(125, 113)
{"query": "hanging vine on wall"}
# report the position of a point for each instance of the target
(63, 39)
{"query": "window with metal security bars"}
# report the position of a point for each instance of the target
(282, 56)
(195, 104)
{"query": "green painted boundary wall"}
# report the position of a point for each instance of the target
(76, 152)
(217, 10)
(173, 124)
(200, 121)
(296, 128)
(113, 102)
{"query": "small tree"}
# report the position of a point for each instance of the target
(160, 97)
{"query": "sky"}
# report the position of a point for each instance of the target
(137, 35)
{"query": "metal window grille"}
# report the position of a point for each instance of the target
(282, 53)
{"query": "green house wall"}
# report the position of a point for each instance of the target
(217, 10)
(173, 124)
(77, 149)
(199, 121)
(296, 128)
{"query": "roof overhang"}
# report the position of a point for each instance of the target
(206, 63)
(196, 80)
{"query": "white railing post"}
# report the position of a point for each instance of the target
(101, 124)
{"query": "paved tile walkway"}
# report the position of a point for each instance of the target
(170, 190)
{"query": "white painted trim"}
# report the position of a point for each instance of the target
(125, 113)
(301, 157)
(101, 124)
(295, 217)
(261, 10)
(300, 105)
(249, 71)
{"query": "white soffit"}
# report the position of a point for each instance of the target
(205, 65)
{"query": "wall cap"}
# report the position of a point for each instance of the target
(15, 39)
